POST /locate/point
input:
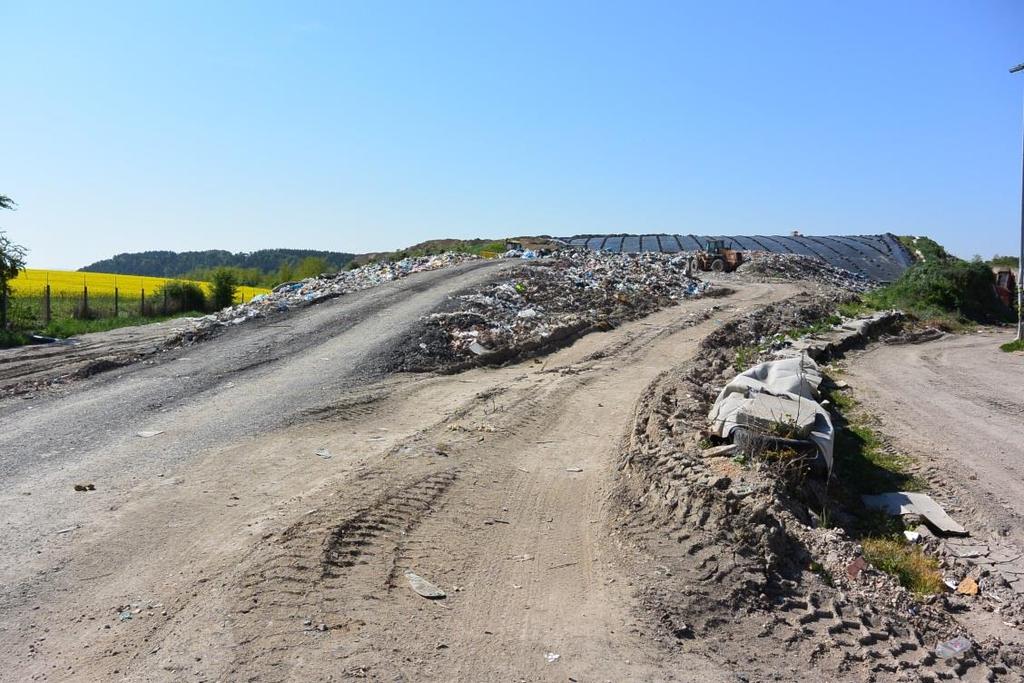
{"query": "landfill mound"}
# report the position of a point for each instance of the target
(799, 267)
(882, 258)
(739, 557)
(292, 295)
(546, 303)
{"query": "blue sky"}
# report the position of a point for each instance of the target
(369, 126)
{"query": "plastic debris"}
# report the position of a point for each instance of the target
(569, 292)
(904, 503)
(552, 657)
(573, 469)
(855, 567)
(424, 587)
(149, 434)
(953, 647)
(801, 267)
(323, 453)
(291, 295)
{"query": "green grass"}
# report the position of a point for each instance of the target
(746, 356)
(1010, 347)
(862, 461)
(853, 309)
(916, 571)
(823, 325)
(863, 466)
(925, 249)
(69, 327)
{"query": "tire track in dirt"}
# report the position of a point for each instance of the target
(462, 495)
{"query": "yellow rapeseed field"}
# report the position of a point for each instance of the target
(33, 282)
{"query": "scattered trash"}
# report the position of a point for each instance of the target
(953, 647)
(552, 657)
(903, 503)
(573, 469)
(424, 587)
(967, 587)
(68, 530)
(85, 487)
(525, 557)
(149, 434)
(323, 453)
(800, 267)
(125, 615)
(291, 295)
(570, 292)
(855, 567)
(912, 536)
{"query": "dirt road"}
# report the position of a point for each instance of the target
(956, 403)
(227, 548)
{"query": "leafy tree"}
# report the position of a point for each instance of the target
(178, 264)
(12, 261)
(311, 266)
(286, 272)
(225, 283)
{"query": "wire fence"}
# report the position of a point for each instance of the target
(36, 308)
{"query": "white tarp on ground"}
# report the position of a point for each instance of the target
(769, 388)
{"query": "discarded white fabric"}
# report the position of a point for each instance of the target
(795, 379)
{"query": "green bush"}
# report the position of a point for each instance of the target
(180, 297)
(225, 284)
(939, 288)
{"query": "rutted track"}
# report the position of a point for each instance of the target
(239, 554)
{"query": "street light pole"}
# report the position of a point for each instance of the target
(1020, 259)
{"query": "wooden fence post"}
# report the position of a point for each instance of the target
(165, 301)
(47, 315)
(85, 302)
(115, 302)
(3, 307)
(142, 302)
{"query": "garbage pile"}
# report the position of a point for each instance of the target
(548, 301)
(291, 295)
(800, 267)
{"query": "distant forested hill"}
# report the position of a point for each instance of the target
(175, 264)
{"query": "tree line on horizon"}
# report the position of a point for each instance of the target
(263, 268)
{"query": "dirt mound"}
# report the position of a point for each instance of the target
(738, 560)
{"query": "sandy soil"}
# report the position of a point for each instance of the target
(227, 548)
(956, 402)
(955, 407)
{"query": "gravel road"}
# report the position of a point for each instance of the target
(248, 381)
